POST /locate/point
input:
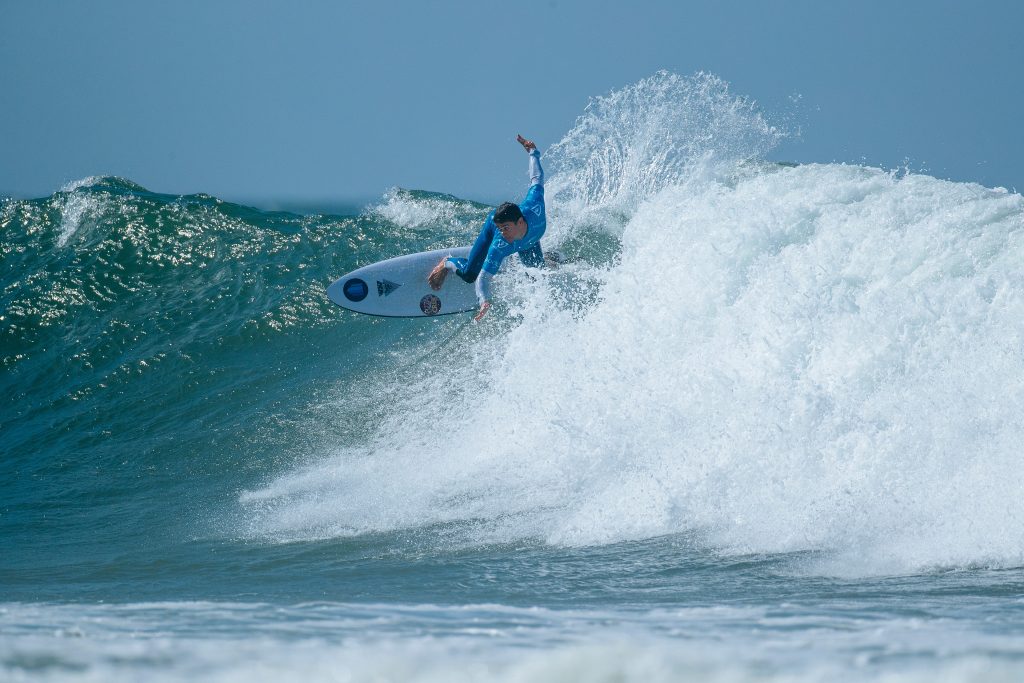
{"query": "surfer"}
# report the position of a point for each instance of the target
(509, 229)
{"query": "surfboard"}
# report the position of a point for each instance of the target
(397, 287)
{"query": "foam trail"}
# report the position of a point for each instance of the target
(821, 358)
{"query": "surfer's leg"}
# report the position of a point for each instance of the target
(470, 268)
(467, 269)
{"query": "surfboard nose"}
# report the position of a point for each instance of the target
(348, 290)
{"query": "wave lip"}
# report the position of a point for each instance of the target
(662, 131)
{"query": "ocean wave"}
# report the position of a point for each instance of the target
(112, 294)
(821, 357)
(769, 358)
(137, 255)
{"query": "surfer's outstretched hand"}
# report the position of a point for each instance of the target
(437, 275)
(527, 144)
(484, 307)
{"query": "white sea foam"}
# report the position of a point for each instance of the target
(430, 212)
(75, 207)
(331, 642)
(824, 358)
(663, 131)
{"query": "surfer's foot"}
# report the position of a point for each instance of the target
(437, 275)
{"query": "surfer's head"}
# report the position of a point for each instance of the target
(510, 222)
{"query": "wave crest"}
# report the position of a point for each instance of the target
(661, 131)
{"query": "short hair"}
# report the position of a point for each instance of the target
(507, 213)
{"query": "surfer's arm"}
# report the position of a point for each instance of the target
(483, 284)
(483, 287)
(536, 170)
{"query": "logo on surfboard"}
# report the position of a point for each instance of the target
(430, 305)
(355, 289)
(385, 287)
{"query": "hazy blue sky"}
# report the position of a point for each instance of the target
(253, 100)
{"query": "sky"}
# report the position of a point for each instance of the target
(318, 101)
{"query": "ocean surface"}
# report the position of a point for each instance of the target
(764, 425)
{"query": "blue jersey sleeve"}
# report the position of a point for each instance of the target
(536, 170)
(483, 287)
(534, 201)
(533, 204)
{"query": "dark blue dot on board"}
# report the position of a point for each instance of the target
(355, 289)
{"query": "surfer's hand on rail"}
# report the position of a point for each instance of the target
(527, 144)
(484, 307)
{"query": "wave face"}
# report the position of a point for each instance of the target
(159, 350)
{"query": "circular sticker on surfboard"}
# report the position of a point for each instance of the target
(430, 305)
(355, 289)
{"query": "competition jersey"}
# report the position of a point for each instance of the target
(490, 248)
(536, 222)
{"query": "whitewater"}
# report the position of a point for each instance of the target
(763, 425)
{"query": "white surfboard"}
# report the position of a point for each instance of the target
(397, 287)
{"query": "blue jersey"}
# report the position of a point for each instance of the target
(536, 223)
(490, 248)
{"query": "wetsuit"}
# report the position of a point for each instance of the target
(490, 248)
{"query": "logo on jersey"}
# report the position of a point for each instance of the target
(385, 287)
(430, 305)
